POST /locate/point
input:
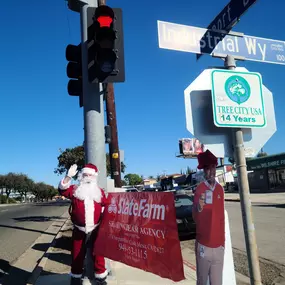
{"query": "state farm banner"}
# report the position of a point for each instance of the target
(140, 230)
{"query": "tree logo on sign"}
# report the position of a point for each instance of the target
(237, 89)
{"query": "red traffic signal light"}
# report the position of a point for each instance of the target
(105, 49)
(104, 15)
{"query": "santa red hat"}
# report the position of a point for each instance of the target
(205, 159)
(90, 169)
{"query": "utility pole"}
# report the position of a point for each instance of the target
(247, 217)
(114, 152)
(94, 133)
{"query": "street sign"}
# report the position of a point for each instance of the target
(230, 15)
(237, 99)
(199, 119)
(197, 40)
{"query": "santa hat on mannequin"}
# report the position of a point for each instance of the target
(90, 169)
(206, 158)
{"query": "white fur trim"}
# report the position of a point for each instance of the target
(83, 229)
(88, 170)
(75, 275)
(102, 275)
(89, 206)
(86, 281)
(62, 185)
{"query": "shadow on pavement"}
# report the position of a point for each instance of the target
(63, 243)
(41, 246)
(10, 275)
(60, 257)
(37, 219)
(280, 206)
(187, 237)
(25, 229)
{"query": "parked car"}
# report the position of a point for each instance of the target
(132, 190)
(185, 223)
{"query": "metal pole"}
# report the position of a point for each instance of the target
(94, 132)
(247, 217)
(114, 145)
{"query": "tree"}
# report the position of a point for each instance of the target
(151, 177)
(68, 157)
(108, 165)
(133, 179)
(189, 170)
(76, 155)
(10, 184)
(24, 185)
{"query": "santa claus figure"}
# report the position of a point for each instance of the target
(87, 201)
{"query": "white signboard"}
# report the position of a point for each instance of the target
(199, 119)
(237, 99)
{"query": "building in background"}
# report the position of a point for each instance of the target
(267, 174)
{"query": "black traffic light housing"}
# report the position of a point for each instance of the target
(105, 45)
(74, 71)
(108, 134)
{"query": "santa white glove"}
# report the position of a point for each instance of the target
(72, 171)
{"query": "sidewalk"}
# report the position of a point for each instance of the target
(56, 268)
(268, 198)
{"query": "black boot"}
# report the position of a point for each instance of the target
(75, 281)
(101, 281)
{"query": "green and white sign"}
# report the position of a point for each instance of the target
(237, 99)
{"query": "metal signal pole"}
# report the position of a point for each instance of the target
(245, 202)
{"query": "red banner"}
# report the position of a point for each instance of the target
(140, 230)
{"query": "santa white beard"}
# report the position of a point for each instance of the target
(88, 189)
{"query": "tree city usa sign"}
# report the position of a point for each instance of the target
(237, 99)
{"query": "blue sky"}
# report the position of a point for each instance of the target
(38, 116)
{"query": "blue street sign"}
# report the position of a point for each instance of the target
(230, 15)
(202, 41)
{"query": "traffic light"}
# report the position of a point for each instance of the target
(74, 71)
(105, 45)
(108, 134)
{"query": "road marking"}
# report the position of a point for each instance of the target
(3, 210)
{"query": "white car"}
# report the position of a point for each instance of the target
(132, 190)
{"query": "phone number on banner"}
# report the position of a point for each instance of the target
(134, 251)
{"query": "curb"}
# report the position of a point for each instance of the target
(232, 200)
(42, 262)
(29, 260)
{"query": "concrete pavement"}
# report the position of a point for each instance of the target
(20, 226)
(57, 267)
(268, 198)
(269, 225)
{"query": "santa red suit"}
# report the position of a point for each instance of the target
(87, 201)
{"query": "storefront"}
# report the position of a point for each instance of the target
(268, 172)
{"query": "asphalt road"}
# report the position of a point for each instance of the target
(21, 225)
(269, 221)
